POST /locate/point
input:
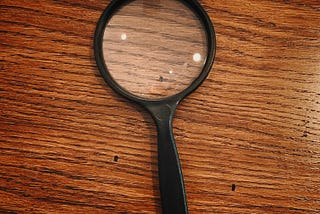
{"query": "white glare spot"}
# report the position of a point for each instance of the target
(123, 36)
(171, 72)
(197, 57)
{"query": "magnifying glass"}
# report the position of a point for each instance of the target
(156, 52)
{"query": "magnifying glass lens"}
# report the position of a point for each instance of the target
(154, 49)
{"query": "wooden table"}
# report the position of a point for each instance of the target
(248, 138)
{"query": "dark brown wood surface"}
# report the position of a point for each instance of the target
(248, 138)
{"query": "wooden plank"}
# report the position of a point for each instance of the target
(248, 138)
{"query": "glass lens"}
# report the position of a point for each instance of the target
(154, 48)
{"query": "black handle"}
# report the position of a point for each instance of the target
(173, 196)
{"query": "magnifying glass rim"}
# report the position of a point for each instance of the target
(98, 51)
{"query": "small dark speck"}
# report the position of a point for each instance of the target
(115, 158)
(272, 24)
(305, 134)
(161, 79)
(233, 187)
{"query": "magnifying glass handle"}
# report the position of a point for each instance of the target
(173, 196)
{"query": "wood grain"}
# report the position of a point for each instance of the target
(69, 144)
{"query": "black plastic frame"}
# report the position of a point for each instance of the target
(172, 190)
(98, 51)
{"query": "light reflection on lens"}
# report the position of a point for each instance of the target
(197, 57)
(124, 36)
